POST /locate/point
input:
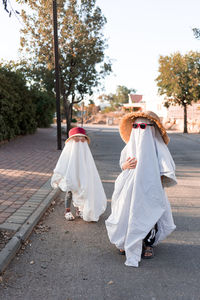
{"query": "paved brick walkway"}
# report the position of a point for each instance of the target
(26, 163)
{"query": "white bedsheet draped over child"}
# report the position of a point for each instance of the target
(139, 200)
(76, 172)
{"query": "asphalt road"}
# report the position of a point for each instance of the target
(75, 260)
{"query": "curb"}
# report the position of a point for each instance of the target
(13, 246)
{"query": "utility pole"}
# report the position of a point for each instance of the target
(56, 59)
(82, 113)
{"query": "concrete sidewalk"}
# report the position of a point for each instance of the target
(26, 165)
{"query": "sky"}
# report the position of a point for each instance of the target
(137, 32)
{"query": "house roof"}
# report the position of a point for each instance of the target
(135, 98)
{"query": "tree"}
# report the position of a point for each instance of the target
(91, 109)
(17, 110)
(40, 85)
(122, 93)
(179, 80)
(121, 96)
(81, 45)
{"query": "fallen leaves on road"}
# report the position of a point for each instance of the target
(41, 228)
(5, 236)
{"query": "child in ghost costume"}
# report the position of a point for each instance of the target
(141, 214)
(77, 175)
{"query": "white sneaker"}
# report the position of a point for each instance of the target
(69, 216)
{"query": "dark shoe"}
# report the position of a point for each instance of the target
(121, 251)
(147, 252)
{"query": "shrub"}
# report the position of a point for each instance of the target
(17, 111)
(73, 120)
(45, 107)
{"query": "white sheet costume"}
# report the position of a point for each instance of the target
(139, 200)
(76, 172)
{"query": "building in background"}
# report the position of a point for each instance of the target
(135, 103)
(175, 117)
(176, 112)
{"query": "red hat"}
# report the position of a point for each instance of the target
(77, 131)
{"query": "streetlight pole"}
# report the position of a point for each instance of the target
(56, 59)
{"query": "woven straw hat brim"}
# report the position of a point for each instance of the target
(78, 134)
(126, 123)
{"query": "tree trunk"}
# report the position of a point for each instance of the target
(67, 107)
(185, 119)
(66, 110)
(73, 97)
(69, 118)
(71, 112)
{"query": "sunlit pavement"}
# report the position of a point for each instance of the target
(75, 260)
(26, 164)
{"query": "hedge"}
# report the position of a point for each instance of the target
(22, 109)
(17, 111)
(45, 107)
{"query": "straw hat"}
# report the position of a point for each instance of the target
(125, 125)
(77, 131)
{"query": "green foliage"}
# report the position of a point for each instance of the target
(120, 97)
(81, 45)
(108, 109)
(73, 120)
(22, 109)
(122, 93)
(81, 42)
(36, 75)
(179, 78)
(91, 101)
(45, 107)
(17, 114)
